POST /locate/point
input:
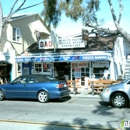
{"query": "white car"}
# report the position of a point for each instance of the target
(117, 94)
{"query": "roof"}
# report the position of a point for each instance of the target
(104, 43)
(20, 16)
(25, 15)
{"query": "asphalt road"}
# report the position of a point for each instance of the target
(66, 114)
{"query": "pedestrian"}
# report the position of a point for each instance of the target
(105, 73)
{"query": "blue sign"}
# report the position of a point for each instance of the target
(94, 57)
(63, 58)
(33, 59)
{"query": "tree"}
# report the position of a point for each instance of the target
(12, 12)
(84, 9)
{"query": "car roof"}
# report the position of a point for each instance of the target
(41, 77)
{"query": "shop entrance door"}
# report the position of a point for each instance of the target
(84, 73)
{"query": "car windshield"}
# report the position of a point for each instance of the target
(125, 80)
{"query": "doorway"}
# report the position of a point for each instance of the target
(59, 67)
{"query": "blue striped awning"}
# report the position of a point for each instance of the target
(61, 58)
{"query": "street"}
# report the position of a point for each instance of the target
(68, 113)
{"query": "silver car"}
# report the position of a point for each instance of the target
(117, 94)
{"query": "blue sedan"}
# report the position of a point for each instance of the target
(36, 86)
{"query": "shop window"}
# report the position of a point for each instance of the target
(16, 34)
(85, 71)
(38, 67)
(46, 67)
(98, 72)
(42, 68)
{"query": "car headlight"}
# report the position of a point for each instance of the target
(106, 90)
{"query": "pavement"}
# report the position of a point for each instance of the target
(82, 95)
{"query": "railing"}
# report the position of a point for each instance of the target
(97, 86)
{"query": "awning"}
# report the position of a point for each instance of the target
(62, 58)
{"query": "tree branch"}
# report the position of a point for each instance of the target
(9, 13)
(112, 10)
(18, 9)
(103, 29)
(31, 6)
(119, 28)
(120, 13)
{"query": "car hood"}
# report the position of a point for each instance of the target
(116, 86)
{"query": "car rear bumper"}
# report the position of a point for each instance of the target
(60, 94)
(65, 94)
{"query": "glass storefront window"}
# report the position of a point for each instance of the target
(38, 67)
(43, 68)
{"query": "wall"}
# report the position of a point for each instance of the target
(27, 26)
(121, 50)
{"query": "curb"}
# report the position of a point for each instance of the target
(58, 125)
(85, 96)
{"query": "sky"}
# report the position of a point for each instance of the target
(68, 27)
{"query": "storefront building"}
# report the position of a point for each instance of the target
(82, 63)
(8, 66)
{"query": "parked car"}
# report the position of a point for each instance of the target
(117, 94)
(36, 86)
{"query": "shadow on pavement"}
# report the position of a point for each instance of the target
(77, 124)
(35, 100)
(60, 100)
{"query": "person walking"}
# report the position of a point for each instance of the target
(105, 73)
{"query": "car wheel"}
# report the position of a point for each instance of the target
(1, 95)
(119, 100)
(43, 96)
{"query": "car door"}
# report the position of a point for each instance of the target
(32, 87)
(17, 89)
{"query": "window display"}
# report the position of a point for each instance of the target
(43, 68)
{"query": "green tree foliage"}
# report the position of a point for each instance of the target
(85, 10)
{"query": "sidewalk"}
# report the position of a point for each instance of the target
(86, 95)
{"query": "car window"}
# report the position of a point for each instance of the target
(42, 78)
(21, 79)
(51, 78)
(32, 80)
(128, 82)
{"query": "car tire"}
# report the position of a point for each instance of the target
(119, 100)
(43, 96)
(1, 95)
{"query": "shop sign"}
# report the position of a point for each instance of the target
(62, 43)
(77, 69)
(101, 64)
(94, 57)
(64, 58)
(34, 59)
(71, 43)
(74, 64)
(77, 75)
(83, 64)
(45, 44)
